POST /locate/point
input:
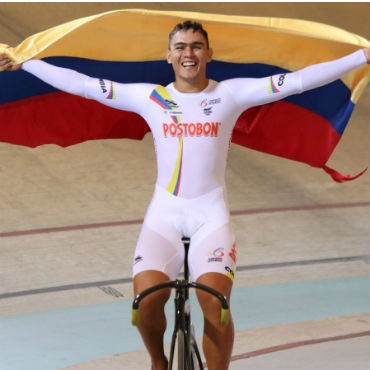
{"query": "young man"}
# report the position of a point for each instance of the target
(190, 195)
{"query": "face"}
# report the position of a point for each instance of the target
(189, 55)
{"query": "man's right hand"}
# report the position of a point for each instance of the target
(7, 64)
(367, 54)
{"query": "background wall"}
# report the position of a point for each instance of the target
(19, 20)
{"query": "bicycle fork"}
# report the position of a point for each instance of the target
(181, 332)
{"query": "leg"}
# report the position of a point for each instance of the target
(212, 261)
(152, 323)
(217, 339)
(156, 261)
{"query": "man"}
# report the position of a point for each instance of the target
(191, 145)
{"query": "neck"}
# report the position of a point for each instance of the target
(185, 86)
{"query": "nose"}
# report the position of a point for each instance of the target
(188, 51)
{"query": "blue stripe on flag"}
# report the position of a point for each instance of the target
(331, 101)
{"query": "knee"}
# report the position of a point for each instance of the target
(210, 305)
(155, 301)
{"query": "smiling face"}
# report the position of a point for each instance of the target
(189, 54)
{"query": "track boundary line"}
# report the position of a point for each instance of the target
(252, 211)
(93, 284)
(292, 345)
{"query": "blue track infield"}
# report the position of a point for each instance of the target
(58, 338)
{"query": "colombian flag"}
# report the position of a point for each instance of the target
(129, 46)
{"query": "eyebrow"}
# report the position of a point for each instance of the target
(196, 43)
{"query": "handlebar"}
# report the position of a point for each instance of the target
(179, 285)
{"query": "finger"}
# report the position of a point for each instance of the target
(8, 66)
(4, 57)
(5, 61)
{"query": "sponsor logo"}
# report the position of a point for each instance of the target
(281, 79)
(215, 259)
(232, 254)
(172, 113)
(102, 85)
(217, 255)
(191, 129)
(138, 259)
(207, 105)
(171, 104)
(219, 252)
(230, 273)
(205, 102)
(215, 101)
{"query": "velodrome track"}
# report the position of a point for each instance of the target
(70, 218)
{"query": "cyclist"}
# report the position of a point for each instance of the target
(192, 121)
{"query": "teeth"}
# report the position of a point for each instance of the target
(188, 64)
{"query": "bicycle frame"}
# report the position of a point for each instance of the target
(187, 350)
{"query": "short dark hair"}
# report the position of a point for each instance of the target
(188, 25)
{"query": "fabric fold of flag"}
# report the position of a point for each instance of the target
(129, 46)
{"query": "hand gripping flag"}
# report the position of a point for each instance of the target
(129, 46)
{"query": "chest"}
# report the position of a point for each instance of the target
(195, 115)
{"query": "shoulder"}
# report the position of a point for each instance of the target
(231, 85)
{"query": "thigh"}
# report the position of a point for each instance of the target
(215, 252)
(154, 252)
(145, 280)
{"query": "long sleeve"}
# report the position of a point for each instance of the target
(323, 73)
(128, 97)
(250, 92)
(61, 78)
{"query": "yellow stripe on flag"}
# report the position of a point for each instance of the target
(124, 35)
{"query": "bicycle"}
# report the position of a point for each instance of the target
(187, 349)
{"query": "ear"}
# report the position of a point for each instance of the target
(168, 56)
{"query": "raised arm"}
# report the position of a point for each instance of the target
(63, 79)
(250, 92)
(121, 96)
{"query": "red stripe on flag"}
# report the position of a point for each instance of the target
(287, 130)
(283, 129)
(64, 119)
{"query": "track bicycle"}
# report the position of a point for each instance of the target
(188, 354)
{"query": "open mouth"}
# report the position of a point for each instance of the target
(188, 64)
